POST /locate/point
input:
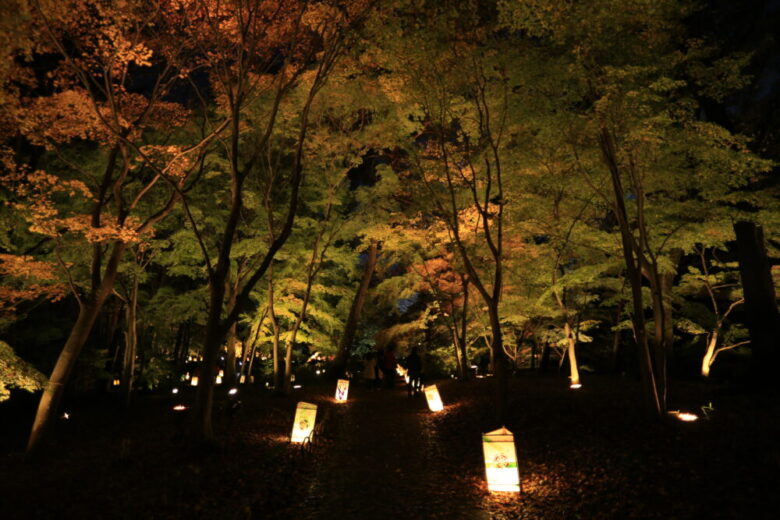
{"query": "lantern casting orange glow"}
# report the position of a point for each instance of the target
(303, 424)
(194, 381)
(433, 398)
(501, 461)
(342, 390)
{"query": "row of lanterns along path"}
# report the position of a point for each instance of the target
(498, 446)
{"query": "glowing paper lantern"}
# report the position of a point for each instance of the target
(501, 461)
(116, 382)
(242, 380)
(342, 389)
(303, 425)
(219, 380)
(194, 381)
(433, 398)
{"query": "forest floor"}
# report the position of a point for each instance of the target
(582, 454)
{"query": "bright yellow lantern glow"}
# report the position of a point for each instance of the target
(242, 380)
(194, 381)
(501, 461)
(116, 382)
(342, 390)
(685, 416)
(219, 380)
(303, 424)
(433, 398)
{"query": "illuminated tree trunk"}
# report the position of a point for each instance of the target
(79, 333)
(709, 355)
(762, 316)
(574, 372)
(353, 320)
(131, 344)
(275, 353)
(464, 358)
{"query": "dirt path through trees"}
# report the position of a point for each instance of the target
(383, 464)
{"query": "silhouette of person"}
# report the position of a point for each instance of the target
(414, 368)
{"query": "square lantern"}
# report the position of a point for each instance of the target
(194, 381)
(501, 461)
(303, 424)
(342, 389)
(242, 380)
(116, 382)
(433, 398)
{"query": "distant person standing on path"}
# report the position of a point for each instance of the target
(389, 365)
(414, 368)
(369, 370)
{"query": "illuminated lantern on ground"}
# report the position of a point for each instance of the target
(303, 425)
(194, 381)
(501, 461)
(433, 398)
(342, 389)
(116, 382)
(219, 380)
(242, 380)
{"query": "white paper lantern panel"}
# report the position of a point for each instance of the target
(434, 399)
(501, 461)
(303, 424)
(342, 390)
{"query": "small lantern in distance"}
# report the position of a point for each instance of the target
(116, 382)
(194, 381)
(433, 398)
(501, 461)
(303, 424)
(342, 390)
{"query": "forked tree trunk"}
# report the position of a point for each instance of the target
(634, 275)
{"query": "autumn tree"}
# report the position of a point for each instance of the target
(90, 101)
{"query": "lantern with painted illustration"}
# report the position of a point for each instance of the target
(303, 425)
(433, 398)
(501, 461)
(342, 389)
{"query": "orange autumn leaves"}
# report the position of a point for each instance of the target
(25, 279)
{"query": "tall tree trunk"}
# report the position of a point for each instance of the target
(275, 353)
(464, 357)
(762, 316)
(634, 275)
(544, 362)
(500, 364)
(230, 356)
(131, 344)
(571, 340)
(350, 327)
(79, 333)
(709, 355)
(617, 350)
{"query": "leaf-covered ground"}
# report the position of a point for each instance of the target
(584, 454)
